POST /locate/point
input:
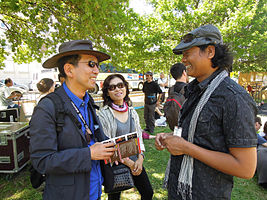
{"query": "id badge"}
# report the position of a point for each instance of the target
(177, 131)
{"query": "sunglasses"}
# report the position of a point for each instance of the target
(113, 87)
(92, 64)
(190, 37)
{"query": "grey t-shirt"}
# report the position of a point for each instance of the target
(125, 128)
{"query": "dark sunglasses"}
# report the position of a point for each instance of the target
(113, 87)
(188, 38)
(92, 64)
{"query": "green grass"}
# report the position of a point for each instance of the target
(17, 187)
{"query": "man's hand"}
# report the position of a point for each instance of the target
(101, 151)
(160, 140)
(175, 145)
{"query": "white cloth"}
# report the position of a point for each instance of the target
(39, 98)
(160, 81)
(5, 92)
(261, 133)
(161, 121)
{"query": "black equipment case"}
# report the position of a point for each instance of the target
(14, 146)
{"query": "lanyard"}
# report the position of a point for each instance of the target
(88, 132)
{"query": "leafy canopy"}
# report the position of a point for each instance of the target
(33, 29)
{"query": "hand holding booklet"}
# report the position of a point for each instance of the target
(126, 145)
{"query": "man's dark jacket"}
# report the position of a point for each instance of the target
(65, 157)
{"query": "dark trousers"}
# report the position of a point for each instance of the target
(149, 115)
(162, 98)
(143, 186)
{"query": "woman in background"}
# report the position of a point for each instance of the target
(45, 86)
(118, 118)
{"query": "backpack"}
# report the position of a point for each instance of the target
(173, 106)
(37, 178)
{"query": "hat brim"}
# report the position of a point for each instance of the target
(52, 62)
(185, 46)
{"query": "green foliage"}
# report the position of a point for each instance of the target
(33, 29)
(242, 24)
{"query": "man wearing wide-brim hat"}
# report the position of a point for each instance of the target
(69, 156)
(217, 136)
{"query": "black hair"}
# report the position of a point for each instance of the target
(177, 70)
(45, 84)
(223, 57)
(59, 76)
(107, 100)
(258, 119)
(265, 128)
(8, 80)
(72, 59)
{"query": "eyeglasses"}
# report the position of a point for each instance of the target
(92, 64)
(188, 38)
(113, 87)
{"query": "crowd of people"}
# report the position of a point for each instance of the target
(215, 138)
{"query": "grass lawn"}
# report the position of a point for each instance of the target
(17, 187)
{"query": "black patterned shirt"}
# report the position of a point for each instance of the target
(226, 121)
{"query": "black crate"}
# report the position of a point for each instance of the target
(14, 146)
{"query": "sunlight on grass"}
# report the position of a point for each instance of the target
(157, 175)
(17, 186)
(17, 195)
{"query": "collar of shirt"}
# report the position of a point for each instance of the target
(76, 100)
(82, 105)
(200, 87)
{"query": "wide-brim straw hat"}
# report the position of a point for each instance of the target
(72, 48)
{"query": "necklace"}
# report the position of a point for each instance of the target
(120, 108)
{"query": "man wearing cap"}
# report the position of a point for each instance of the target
(151, 89)
(218, 138)
(70, 158)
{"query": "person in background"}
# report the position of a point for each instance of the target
(178, 72)
(71, 158)
(7, 97)
(61, 78)
(264, 132)
(261, 155)
(152, 99)
(163, 83)
(119, 118)
(216, 138)
(45, 86)
(261, 140)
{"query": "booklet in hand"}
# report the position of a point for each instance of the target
(126, 145)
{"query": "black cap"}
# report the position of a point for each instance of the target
(149, 73)
(207, 34)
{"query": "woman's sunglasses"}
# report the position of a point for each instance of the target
(113, 87)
